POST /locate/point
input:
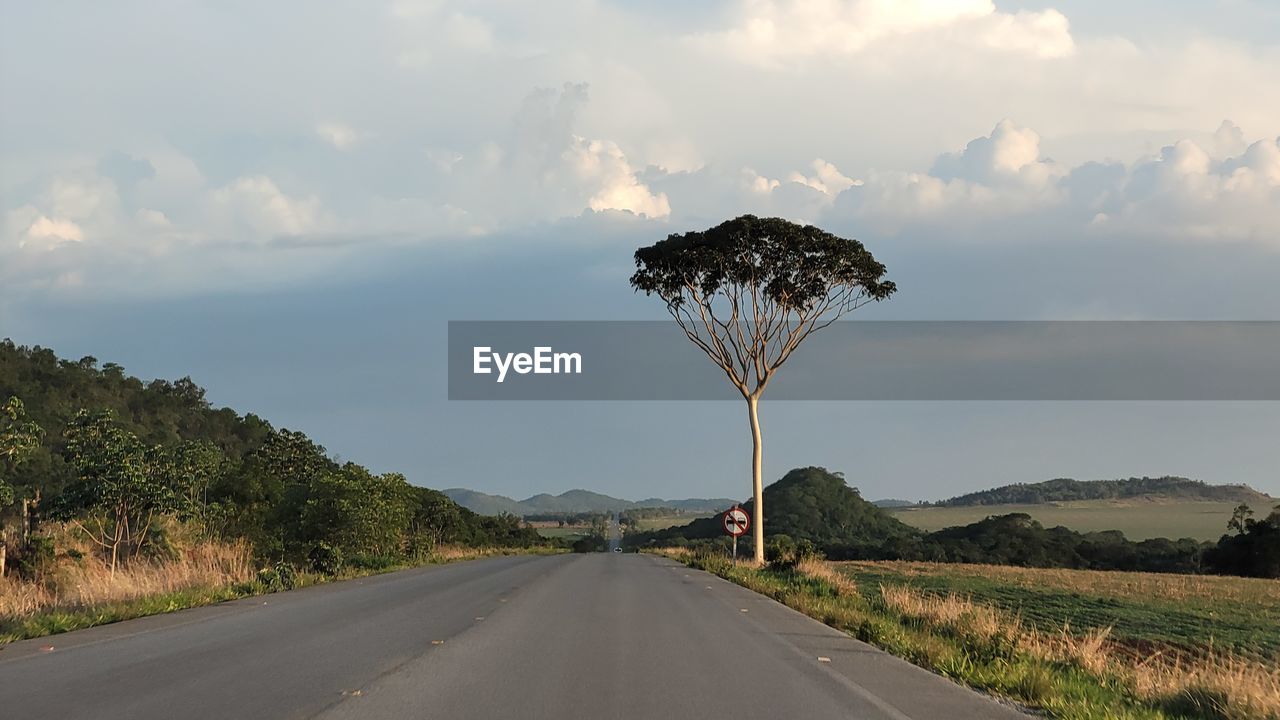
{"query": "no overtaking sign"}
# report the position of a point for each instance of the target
(736, 522)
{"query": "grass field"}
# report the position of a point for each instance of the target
(1074, 645)
(1144, 611)
(1138, 520)
(568, 531)
(663, 522)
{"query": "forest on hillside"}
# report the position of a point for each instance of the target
(116, 461)
(816, 508)
(1068, 490)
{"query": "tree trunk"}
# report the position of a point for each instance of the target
(3, 550)
(757, 484)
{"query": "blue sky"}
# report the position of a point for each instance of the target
(288, 203)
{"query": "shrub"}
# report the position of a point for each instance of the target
(325, 558)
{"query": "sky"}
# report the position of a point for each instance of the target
(288, 201)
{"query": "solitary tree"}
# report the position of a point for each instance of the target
(747, 293)
(1239, 518)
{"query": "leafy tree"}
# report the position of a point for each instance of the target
(358, 512)
(123, 486)
(20, 437)
(436, 519)
(747, 293)
(1253, 552)
(1239, 516)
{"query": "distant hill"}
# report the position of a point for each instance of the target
(573, 501)
(1067, 490)
(893, 503)
(810, 504)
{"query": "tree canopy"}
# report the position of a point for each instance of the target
(748, 291)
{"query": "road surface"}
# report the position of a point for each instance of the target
(601, 635)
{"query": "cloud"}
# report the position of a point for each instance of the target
(338, 135)
(429, 33)
(31, 228)
(1001, 185)
(827, 178)
(257, 208)
(1009, 154)
(547, 170)
(771, 33)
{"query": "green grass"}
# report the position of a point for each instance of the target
(663, 522)
(1143, 610)
(1138, 520)
(60, 621)
(1075, 685)
(1061, 690)
(564, 532)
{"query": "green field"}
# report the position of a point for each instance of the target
(1143, 610)
(663, 522)
(1138, 520)
(564, 532)
(1068, 644)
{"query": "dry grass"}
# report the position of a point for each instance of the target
(453, 553)
(842, 583)
(88, 582)
(1127, 585)
(1065, 672)
(953, 612)
(1221, 685)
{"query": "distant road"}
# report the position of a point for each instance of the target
(602, 635)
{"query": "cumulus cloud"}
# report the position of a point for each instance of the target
(258, 209)
(30, 228)
(547, 170)
(774, 32)
(827, 178)
(1219, 189)
(1189, 191)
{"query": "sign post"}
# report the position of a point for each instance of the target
(736, 522)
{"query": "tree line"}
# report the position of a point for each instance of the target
(113, 457)
(1068, 490)
(815, 506)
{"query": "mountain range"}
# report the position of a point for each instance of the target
(574, 501)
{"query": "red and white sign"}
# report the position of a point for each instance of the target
(736, 522)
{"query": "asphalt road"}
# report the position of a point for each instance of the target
(572, 636)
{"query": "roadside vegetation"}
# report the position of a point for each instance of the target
(817, 506)
(120, 499)
(1069, 490)
(1146, 612)
(1053, 662)
(1139, 519)
(1142, 508)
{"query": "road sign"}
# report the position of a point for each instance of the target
(736, 522)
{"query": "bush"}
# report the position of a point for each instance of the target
(783, 553)
(325, 559)
(779, 550)
(373, 562)
(277, 578)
